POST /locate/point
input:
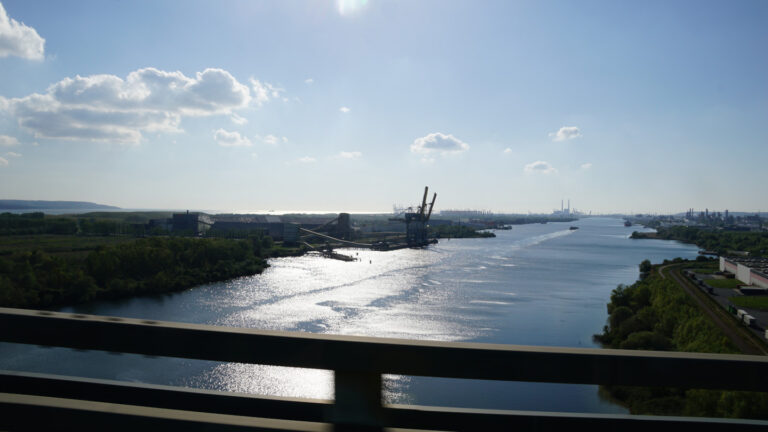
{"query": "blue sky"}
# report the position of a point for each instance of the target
(650, 106)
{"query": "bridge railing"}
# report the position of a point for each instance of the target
(358, 363)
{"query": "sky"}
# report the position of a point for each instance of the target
(354, 105)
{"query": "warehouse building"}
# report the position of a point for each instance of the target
(751, 271)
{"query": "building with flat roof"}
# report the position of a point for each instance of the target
(751, 271)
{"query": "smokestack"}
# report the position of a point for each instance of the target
(561, 206)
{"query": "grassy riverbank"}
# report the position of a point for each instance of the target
(70, 269)
(656, 314)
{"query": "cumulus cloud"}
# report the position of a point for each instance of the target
(8, 141)
(344, 110)
(507, 150)
(438, 143)
(113, 109)
(263, 92)
(540, 167)
(3, 162)
(231, 139)
(17, 39)
(349, 155)
(586, 166)
(13, 154)
(271, 140)
(309, 81)
(307, 159)
(565, 133)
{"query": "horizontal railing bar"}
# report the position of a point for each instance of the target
(464, 419)
(390, 356)
(161, 396)
(23, 411)
(27, 412)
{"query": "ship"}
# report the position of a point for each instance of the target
(627, 223)
(573, 228)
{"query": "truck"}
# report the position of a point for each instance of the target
(749, 320)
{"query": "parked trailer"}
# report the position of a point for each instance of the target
(766, 334)
(740, 314)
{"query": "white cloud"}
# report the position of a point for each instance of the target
(3, 162)
(540, 167)
(507, 150)
(13, 154)
(109, 108)
(565, 133)
(344, 109)
(349, 155)
(438, 143)
(17, 39)
(263, 92)
(231, 139)
(8, 141)
(285, 139)
(236, 119)
(307, 159)
(586, 166)
(271, 140)
(309, 81)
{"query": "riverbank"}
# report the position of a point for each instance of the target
(112, 268)
(655, 313)
(754, 243)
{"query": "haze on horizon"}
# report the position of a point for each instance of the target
(355, 105)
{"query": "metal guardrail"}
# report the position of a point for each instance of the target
(358, 363)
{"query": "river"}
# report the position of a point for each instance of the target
(537, 284)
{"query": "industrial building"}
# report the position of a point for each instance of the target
(751, 271)
(197, 223)
(287, 232)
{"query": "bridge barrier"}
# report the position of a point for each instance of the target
(358, 363)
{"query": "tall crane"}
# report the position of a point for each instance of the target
(416, 222)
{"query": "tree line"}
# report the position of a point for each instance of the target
(655, 314)
(720, 241)
(146, 266)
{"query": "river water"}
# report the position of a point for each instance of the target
(537, 284)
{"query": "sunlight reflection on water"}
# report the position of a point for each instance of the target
(385, 294)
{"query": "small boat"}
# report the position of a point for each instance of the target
(627, 223)
(573, 228)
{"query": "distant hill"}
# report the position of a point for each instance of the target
(52, 205)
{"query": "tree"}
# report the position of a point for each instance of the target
(645, 266)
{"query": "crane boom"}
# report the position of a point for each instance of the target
(431, 206)
(424, 202)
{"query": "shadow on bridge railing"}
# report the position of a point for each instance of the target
(31, 401)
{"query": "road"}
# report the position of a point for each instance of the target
(737, 334)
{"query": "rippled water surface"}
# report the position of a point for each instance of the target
(538, 284)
